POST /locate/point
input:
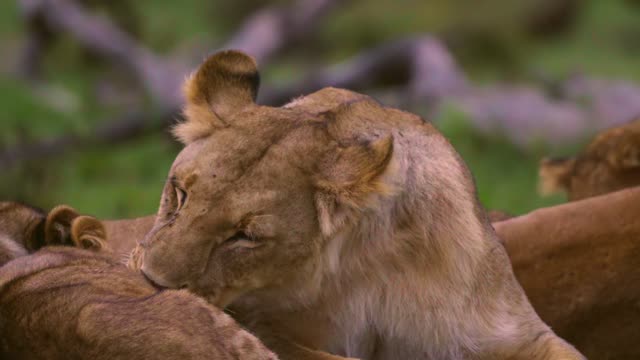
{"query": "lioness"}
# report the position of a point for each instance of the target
(336, 223)
(610, 162)
(68, 303)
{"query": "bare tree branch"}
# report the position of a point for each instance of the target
(425, 74)
(420, 67)
(100, 36)
(430, 72)
(115, 131)
(263, 35)
(272, 29)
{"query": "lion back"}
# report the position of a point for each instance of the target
(70, 303)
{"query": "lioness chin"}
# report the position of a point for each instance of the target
(335, 223)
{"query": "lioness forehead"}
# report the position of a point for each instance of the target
(229, 152)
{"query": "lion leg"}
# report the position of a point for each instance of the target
(545, 346)
(550, 346)
(288, 350)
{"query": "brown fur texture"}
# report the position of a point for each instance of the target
(122, 235)
(578, 263)
(338, 224)
(498, 215)
(68, 303)
(21, 230)
(610, 162)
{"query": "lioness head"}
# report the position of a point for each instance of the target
(609, 163)
(251, 199)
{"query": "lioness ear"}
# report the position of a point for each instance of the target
(57, 228)
(553, 174)
(348, 178)
(224, 84)
(89, 233)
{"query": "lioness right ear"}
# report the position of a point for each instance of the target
(224, 84)
(57, 228)
(348, 178)
(89, 233)
(553, 174)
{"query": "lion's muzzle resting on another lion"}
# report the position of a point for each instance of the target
(338, 224)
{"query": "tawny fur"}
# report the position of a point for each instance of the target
(122, 235)
(22, 230)
(578, 263)
(498, 215)
(338, 224)
(610, 162)
(68, 303)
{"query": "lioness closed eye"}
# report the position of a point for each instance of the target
(338, 224)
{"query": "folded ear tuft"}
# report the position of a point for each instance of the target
(89, 233)
(553, 175)
(57, 227)
(226, 83)
(348, 178)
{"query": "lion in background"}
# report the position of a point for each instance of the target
(610, 162)
(70, 303)
(335, 223)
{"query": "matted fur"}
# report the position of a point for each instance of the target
(344, 226)
(610, 162)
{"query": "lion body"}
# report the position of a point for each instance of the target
(582, 275)
(69, 303)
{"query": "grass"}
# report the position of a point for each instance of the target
(506, 176)
(126, 180)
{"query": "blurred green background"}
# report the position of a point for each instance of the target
(494, 40)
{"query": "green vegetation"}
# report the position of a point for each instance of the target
(126, 180)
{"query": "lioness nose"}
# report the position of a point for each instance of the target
(150, 280)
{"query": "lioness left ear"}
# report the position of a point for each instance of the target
(226, 83)
(348, 179)
(57, 228)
